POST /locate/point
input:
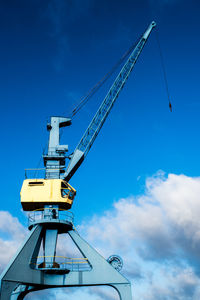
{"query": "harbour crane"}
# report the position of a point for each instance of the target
(50, 197)
(56, 178)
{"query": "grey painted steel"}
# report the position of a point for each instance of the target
(56, 124)
(50, 242)
(22, 277)
(50, 236)
(97, 122)
(54, 161)
(19, 270)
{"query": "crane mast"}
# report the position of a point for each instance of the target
(98, 120)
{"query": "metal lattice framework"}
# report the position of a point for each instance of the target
(103, 111)
(98, 120)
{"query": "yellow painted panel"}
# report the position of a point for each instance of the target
(36, 193)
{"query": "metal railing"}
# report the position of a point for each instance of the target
(50, 214)
(62, 263)
(40, 172)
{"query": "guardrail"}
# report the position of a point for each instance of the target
(50, 214)
(61, 263)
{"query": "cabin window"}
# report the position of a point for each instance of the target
(71, 195)
(66, 191)
(36, 183)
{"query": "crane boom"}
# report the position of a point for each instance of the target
(98, 120)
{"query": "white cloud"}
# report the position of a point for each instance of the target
(168, 212)
(12, 234)
(154, 230)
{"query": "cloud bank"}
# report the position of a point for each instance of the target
(157, 234)
(12, 234)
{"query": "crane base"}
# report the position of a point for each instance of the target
(21, 277)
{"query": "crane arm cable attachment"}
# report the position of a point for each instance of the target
(164, 70)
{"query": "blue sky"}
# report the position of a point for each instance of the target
(53, 52)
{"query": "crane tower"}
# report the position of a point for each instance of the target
(48, 201)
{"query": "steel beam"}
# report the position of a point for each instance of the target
(22, 275)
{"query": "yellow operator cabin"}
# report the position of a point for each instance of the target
(36, 193)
